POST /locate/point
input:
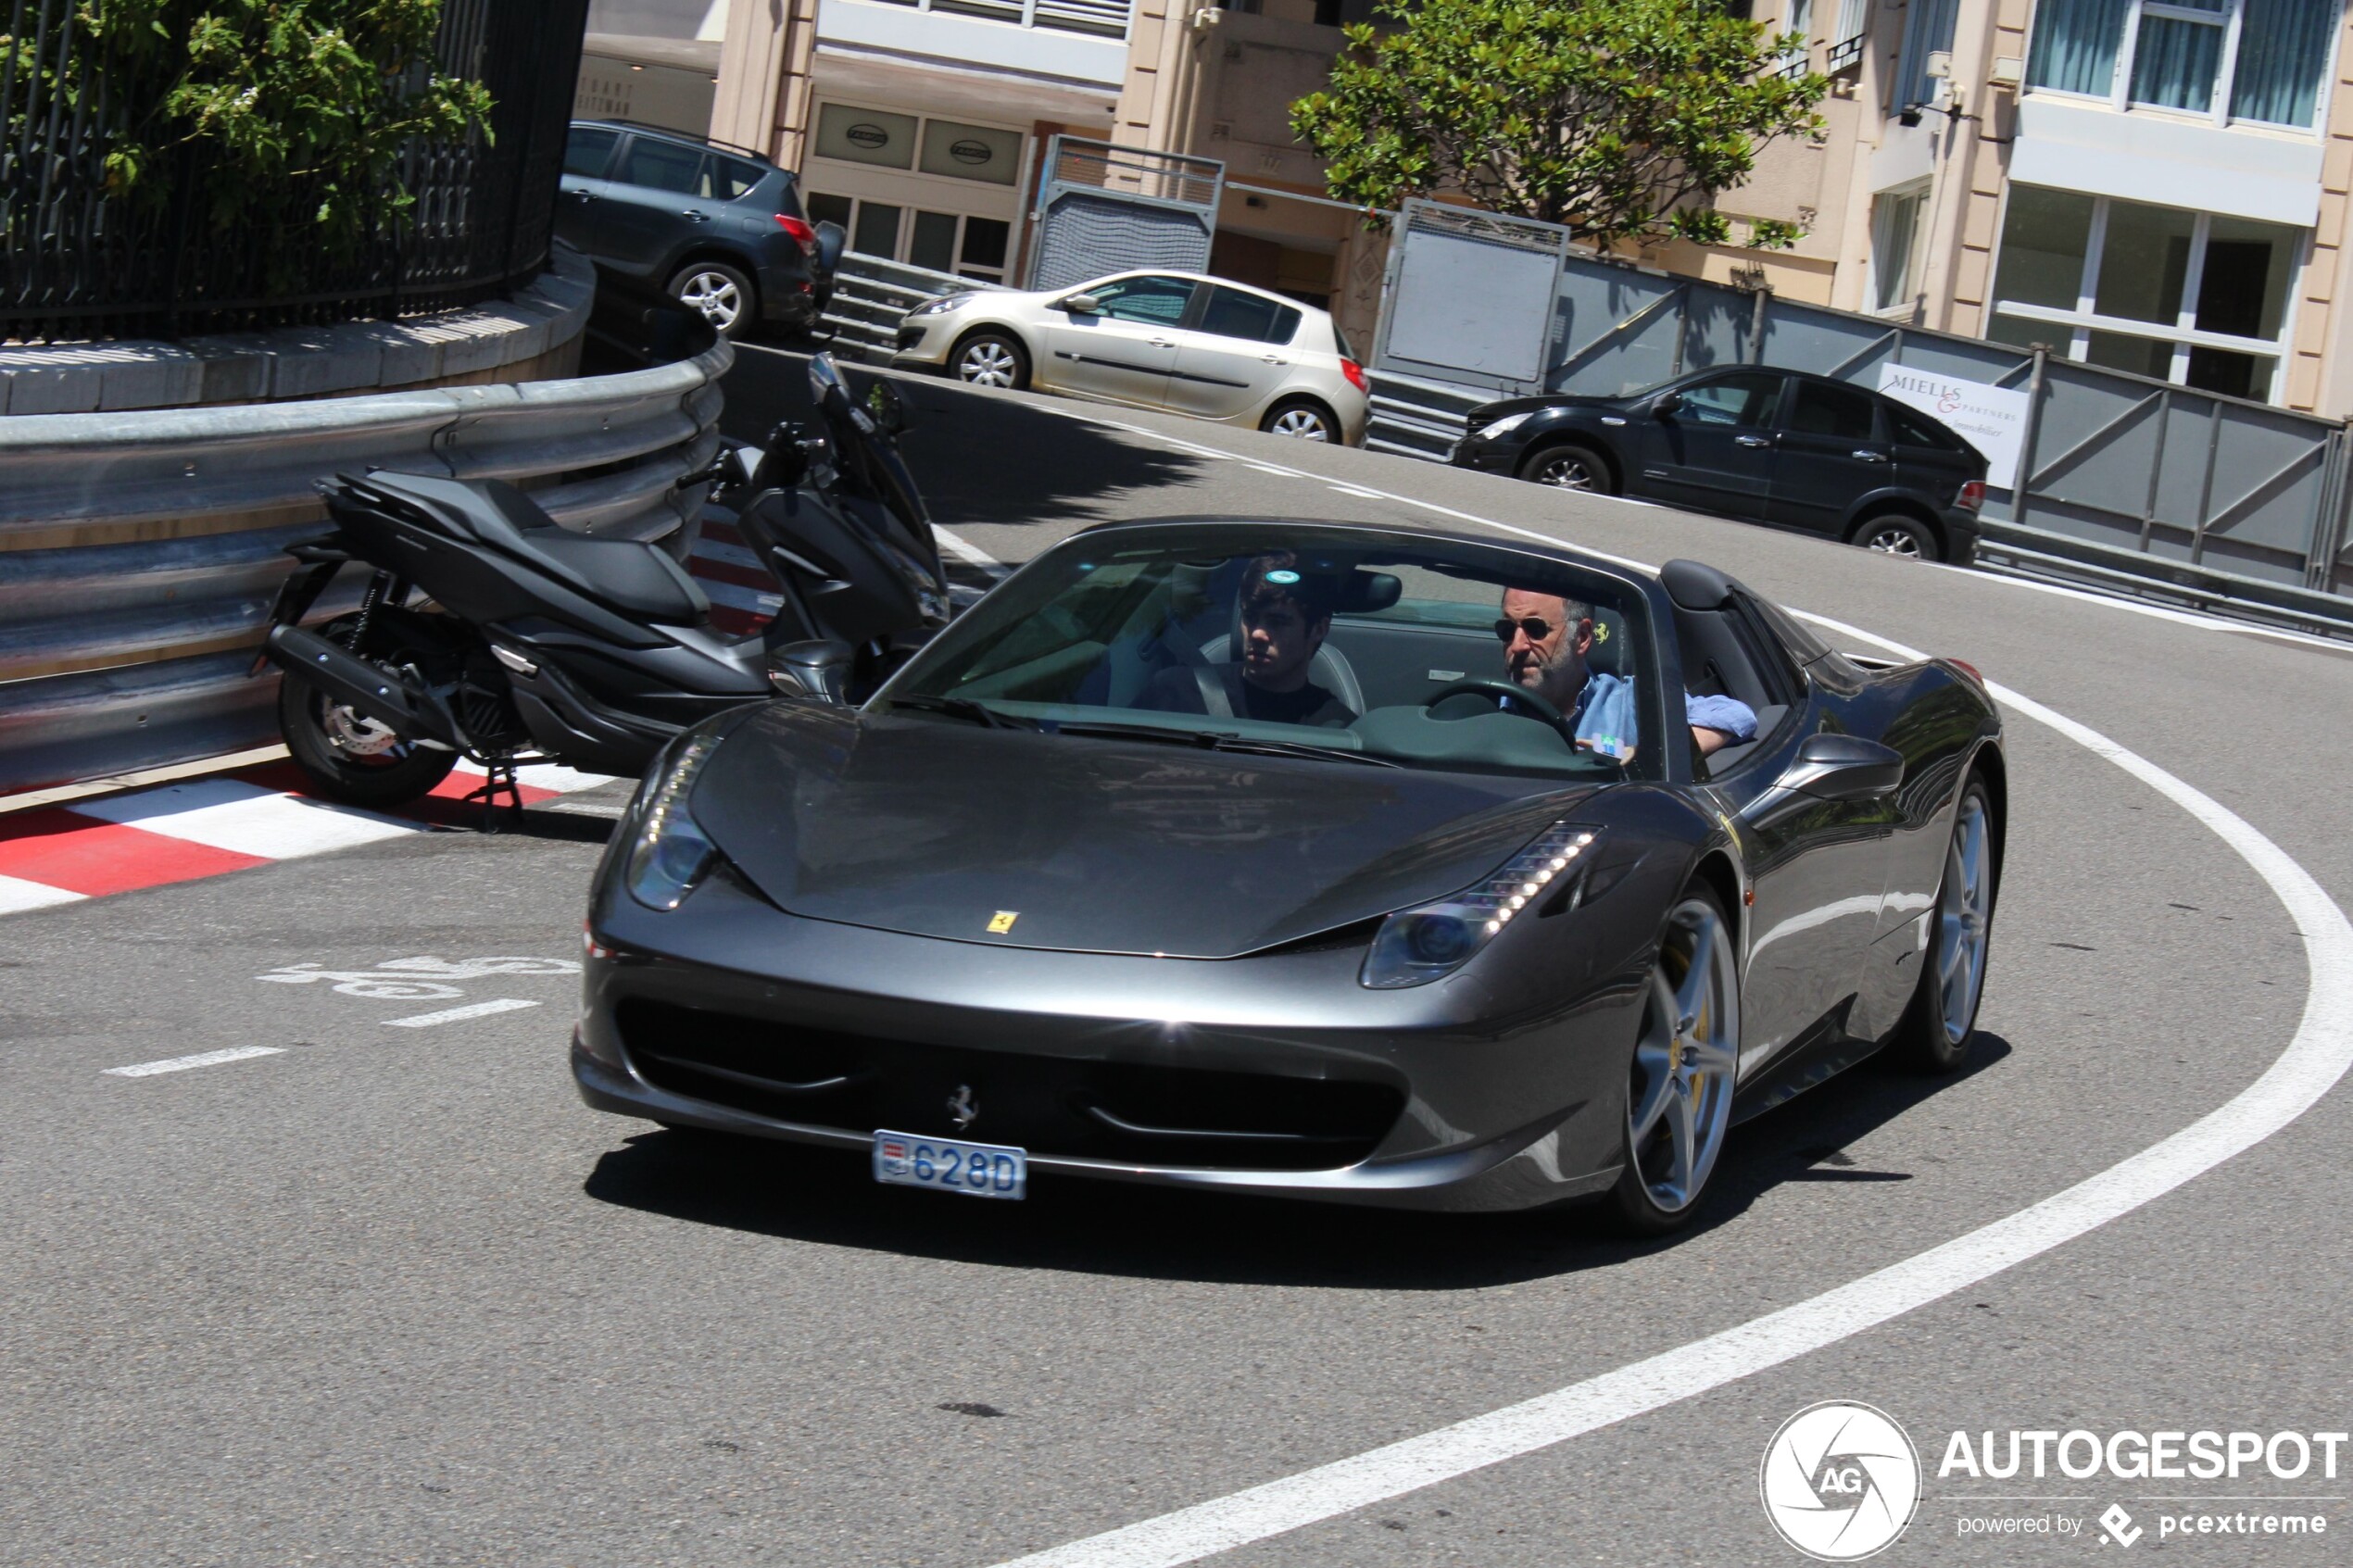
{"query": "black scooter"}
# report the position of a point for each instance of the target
(489, 631)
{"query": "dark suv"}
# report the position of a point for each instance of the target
(1753, 443)
(716, 228)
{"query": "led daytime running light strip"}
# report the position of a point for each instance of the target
(1523, 877)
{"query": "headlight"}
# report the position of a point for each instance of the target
(671, 852)
(1506, 425)
(942, 306)
(1415, 947)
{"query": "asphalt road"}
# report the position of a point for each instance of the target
(393, 1296)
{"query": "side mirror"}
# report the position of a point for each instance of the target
(1083, 304)
(1667, 406)
(832, 240)
(1836, 767)
(819, 667)
(886, 406)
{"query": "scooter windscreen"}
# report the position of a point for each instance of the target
(867, 463)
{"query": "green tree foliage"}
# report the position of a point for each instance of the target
(322, 96)
(1622, 119)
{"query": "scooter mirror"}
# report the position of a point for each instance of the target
(822, 376)
(818, 668)
(888, 407)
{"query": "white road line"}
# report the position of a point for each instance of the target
(2315, 1060)
(1352, 490)
(973, 555)
(202, 1059)
(452, 1015)
(544, 775)
(246, 818)
(15, 894)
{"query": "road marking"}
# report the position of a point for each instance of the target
(2315, 1060)
(973, 555)
(1352, 490)
(246, 818)
(452, 1015)
(202, 1059)
(15, 894)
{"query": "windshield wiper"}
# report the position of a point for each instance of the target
(1225, 740)
(961, 707)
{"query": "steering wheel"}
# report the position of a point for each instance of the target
(1526, 703)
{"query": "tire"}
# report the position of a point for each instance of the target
(346, 758)
(1894, 533)
(989, 358)
(723, 296)
(1301, 418)
(1934, 1034)
(1570, 466)
(1681, 1074)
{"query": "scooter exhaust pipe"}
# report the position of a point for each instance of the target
(378, 694)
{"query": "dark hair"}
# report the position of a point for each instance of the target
(1313, 596)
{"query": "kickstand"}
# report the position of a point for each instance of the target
(500, 780)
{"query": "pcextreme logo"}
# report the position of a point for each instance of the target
(1840, 1481)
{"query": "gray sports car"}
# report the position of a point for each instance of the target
(1364, 864)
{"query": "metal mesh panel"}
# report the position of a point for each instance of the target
(1108, 208)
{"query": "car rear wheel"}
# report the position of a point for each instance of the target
(1935, 1035)
(1892, 534)
(1569, 466)
(991, 359)
(1301, 418)
(720, 293)
(1678, 1092)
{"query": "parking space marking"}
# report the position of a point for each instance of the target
(2315, 1059)
(453, 1015)
(202, 1059)
(246, 818)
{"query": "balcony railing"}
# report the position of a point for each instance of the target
(1100, 18)
(1845, 55)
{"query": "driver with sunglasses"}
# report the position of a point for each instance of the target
(1546, 639)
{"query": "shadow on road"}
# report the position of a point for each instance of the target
(991, 458)
(827, 1198)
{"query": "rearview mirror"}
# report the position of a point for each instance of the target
(1666, 404)
(1083, 304)
(818, 668)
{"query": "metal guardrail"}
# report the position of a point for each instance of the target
(139, 550)
(872, 295)
(2036, 552)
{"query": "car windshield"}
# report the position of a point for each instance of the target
(1292, 640)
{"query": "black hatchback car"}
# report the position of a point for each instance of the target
(719, 229)
(1757, 443)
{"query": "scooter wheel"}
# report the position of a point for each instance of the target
(348, 758)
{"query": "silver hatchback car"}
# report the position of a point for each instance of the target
(1178, 340)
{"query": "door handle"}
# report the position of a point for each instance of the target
(1867, 454)
(582, 196)
(1163, 343)
(691, 216)
(1752, 440)
(1274, 359)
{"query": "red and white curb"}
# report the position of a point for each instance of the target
(207, 827)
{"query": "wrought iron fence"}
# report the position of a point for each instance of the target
(81, 258)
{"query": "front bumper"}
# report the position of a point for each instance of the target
(1096, 1063)
(923, 342)
(1489, 457)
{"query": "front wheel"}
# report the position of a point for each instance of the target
(991, 358)
(1678, 1092)
(1570, 467)
(346, 756)
(1935, 1033)
(1301, 418)
(720, 293)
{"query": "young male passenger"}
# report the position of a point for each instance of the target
(1286, 615)
(1546, 640)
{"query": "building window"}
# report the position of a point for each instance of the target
(940, 242)
(2255, 60)
(1105, 18)
(2175, 295)
(1895, 227)
(1928, 30)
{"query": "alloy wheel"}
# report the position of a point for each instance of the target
(1301, 424)
(1565, 470)
(1894, 540)
(716, 296)
(1679, 1103)
(986, 363)
(1964, 919)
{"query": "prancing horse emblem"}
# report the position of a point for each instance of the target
(963, 1106)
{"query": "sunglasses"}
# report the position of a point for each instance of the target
(1536, 626)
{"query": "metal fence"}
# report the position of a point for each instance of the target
(2195, 496)
(122, 650)
(80, 258)
(1104, 208)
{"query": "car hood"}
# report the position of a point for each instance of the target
(936, 829)
(1486, 413)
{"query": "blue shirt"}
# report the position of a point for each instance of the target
(1604, 715)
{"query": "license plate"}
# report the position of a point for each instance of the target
(978, 1170)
